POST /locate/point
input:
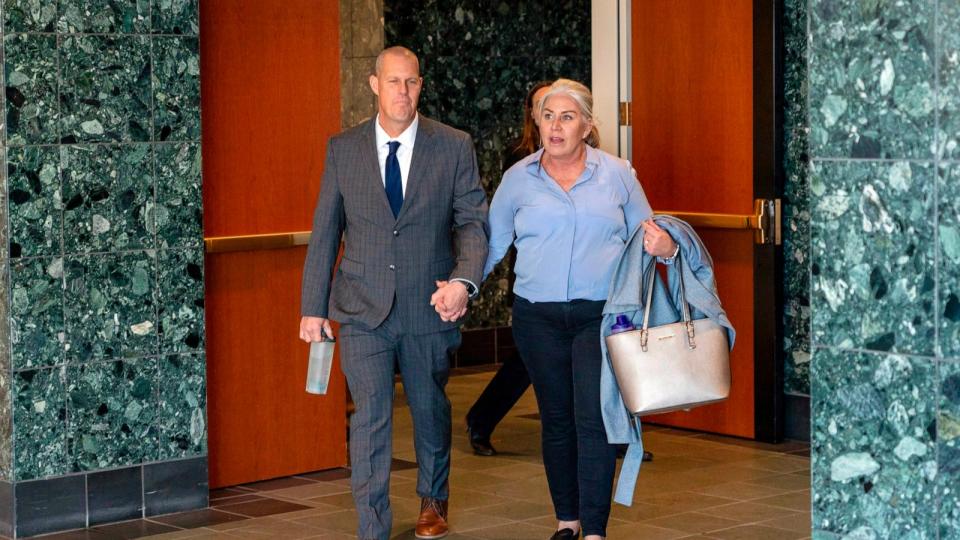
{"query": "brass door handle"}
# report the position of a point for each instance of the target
(765, 221)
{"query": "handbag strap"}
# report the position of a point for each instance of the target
(650, 274)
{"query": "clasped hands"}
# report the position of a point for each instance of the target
(450, 300)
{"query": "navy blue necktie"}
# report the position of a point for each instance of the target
(392, 182)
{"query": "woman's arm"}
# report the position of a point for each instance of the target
(636, 209)
(502, 210)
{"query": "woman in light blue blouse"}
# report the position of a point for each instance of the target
(569, 209)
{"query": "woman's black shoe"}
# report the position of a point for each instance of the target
(565, 534)
(481, 445)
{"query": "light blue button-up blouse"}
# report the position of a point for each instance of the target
(567, 242)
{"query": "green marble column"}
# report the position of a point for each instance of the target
(885, 242)
(796, 207)
(101, 339)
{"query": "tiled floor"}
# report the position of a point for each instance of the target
(698, 486)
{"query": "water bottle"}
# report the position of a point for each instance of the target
(623, 324)
(318, 367)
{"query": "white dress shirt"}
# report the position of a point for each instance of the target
(404, 152)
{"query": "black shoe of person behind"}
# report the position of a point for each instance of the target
(480, 443)
(565, 534)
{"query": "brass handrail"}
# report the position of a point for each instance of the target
(765, 223)
(256, 242)
(715, 221)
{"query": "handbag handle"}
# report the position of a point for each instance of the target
(684, 306)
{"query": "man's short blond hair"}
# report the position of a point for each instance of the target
(395, 50)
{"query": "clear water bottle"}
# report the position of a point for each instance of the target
(623, 324)
(318, 367)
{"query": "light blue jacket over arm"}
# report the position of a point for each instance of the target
(625, 298)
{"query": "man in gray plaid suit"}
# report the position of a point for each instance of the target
(402, 193)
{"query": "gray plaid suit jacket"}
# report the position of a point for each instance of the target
(441, 232)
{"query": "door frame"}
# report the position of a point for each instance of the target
(611, 76)
(768, 182)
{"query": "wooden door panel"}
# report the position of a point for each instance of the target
(693, 104)
(270, 90)
(693, 121)
(262, 422)
(732, 258)
(271, 99)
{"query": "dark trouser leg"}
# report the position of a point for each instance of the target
(500, 395)
(545, 346)
(425, 367)
(597, 460)
(367, 358)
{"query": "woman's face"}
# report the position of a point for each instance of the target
(562, 126)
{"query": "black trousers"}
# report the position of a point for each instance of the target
(501, 394)
(560, 346)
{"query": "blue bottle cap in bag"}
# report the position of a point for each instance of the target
(623, 324)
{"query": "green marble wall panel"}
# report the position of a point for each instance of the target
(179, 299)
(107, 191)
(109, 305)
(478, 62)
(883, 423)
(4, 212)
(4, 206)
(6, 382)
(104, 16)
(179, 212)
(36, 312)
(39, 414)
(102, 154)
(874, 454)
(176, 88)
(35, 206)
(112, 418)
(30, 72)
(873, 261)
(948, 142)
(175, 17)
(105, 88)
(948, 442)
(182, 406)
(949, 260)
(872, 78)
(795, 202)
(29, 15)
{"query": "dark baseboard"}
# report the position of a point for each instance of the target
(96, 498)
(6, 508)
(797, 417)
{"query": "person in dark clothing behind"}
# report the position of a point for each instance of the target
(511, 380)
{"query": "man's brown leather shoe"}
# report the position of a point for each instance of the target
(432, 522)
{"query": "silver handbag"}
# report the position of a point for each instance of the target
(671, 367)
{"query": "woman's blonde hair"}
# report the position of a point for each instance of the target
(584, 98)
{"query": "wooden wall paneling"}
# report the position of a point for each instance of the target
(270, 89)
